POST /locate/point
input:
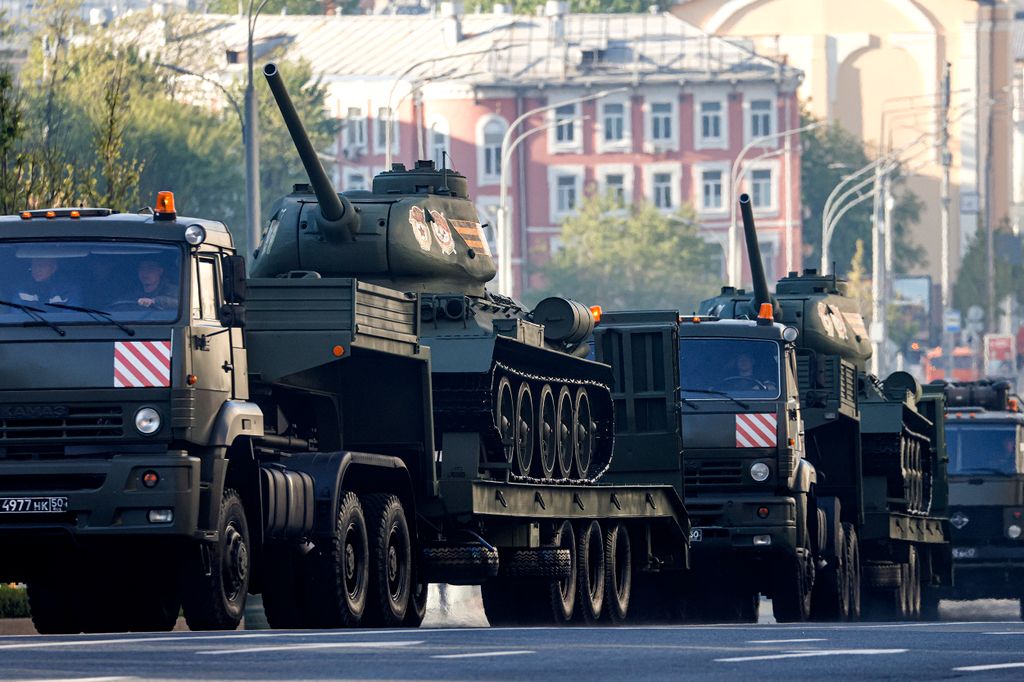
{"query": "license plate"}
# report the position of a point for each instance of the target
(33, 505)
(965, 552)
(696, 534)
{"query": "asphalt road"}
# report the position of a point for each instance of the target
(932, 651)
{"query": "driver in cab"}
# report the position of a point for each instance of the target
(154, 291)
(755, 376)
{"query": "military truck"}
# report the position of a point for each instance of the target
(985, 437)
(357, 420)
(806, 479)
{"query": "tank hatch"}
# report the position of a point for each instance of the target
(810, 283)
(423, 178)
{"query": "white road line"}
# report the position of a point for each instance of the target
(811, 654)
(982, 668)
(316, 645)
(188, 637)
(80, 679)
(1004, 633)
(482, 654)
(785, 641)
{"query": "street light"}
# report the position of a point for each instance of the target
(503, 235)
(252, 137)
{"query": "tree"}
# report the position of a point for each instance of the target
(636, 257)
(829, 154)
(971, 286)
(856, 287)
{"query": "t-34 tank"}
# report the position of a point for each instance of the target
(514, 379)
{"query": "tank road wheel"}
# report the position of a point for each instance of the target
(564, 428)
(339, 571)
(583, 432)
(591, 569)
(563, 592)
(214, 595)
(525, 416)
(505, 415)
(390, 561)
(547, 432)
(794, 583)
(618, 575)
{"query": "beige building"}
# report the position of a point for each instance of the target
(876, 66)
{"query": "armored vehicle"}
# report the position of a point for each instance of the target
(806, 479)
(176, 435)
(985, 437)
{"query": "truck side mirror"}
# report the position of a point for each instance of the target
(234, 278)
(232, 315)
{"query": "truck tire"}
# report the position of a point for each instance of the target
(618, 577)
(544, 562)
(390, 564)
(794, 584)
(284, 583)
(54, 605)
(914, 585)
(563, 592)
(512, 602)
(851, 555)
(417, 610)
(468, 564)
(339, 569)
(152, 595)
(929, 604)
(831, 589)
(213, 597)
(590, 571)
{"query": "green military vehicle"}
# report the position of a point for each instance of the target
(985, 437)
(357, 420)
(806, 479)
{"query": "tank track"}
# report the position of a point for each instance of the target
(471, 403)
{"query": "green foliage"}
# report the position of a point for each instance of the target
(581, 6)
(829, 154)
(971, 286)
(637, 257)
(13, 602)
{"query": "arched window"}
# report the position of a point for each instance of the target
(440, 141)
(490, 131)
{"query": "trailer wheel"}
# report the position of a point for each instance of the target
(929, 604)
(525, 418)
(390, 561)
(339, 571)
(564, 429)
(851, 556)
(791, 599)
(563, 592)
(583, 430)
(590, 568)
(54, 604)
(914, 586)
(417, 610)
(618, 577)
(213, 597)
(547, 432)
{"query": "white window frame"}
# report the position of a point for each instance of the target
(438, 126)
(554, 145)
(347, 171)
(626, 143)
(359, 145)
(747, 184)
(774, 242)
(554, 172)
(698, 187)
(379, 130)
(675, 170)
(484, 179)
(750, 96)
(670, 143)
(628, 174)
(701, 142)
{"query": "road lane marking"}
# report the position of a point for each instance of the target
(481, 654)
(982, 668)
(189, 637)
(811, 654)
(786, 641)
(1004, 633)
(314, 645)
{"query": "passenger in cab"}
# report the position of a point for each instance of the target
(45, 285)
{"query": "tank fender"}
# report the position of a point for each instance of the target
(360, 472)
(804, 477)
(236, 418)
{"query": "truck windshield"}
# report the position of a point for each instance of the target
(737, 368)
(89, 282)
(982, 448)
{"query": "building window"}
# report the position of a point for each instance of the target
(355, 129)
(662, 184)
(761, 188)
(439, 141)
(615, 188)
(489, 144)
(769, 255)
(711, 190)
(565, 197)
(711, 121)
(760, 118)
(661, 121)
(614, 122)
(565, 131)
(383, 121)
(355, 181)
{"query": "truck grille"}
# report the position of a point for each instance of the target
(81, 422)
(713, 472)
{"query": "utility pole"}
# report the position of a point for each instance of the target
(946, 159)
(252, 139)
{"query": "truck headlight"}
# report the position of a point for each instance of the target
(759, 471)
(147, 421)
(195, 234)
(1013, 531)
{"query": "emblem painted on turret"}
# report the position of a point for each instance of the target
(826, 319)
(838, 321)
(472, 233)
(418, 221)
(443, 233)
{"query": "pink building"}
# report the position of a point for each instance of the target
(679, 107)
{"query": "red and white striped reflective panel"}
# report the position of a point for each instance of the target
(756, 431)
(142, 364)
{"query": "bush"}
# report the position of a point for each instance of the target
(13, 602)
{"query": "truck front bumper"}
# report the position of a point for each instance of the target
(101, 497)
(734, 524)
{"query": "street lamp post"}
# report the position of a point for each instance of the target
(252, 137)
(503, 235)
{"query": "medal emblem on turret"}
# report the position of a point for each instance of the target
(418, 221)
(443, 233)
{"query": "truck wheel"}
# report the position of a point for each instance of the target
(390, 564)
(340, 569)
(214, 596)
(618, 576)
(563, 592)
(791, 600)
(590, 568)
(914, 586)
(152, 596)
(851, 556)
(929, 604)
(54, 604)
(831, 588)
(417, 610)
(284, 583)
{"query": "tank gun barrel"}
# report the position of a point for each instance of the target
(332, 207)
(761, 294)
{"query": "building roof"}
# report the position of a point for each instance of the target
(498, 49)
